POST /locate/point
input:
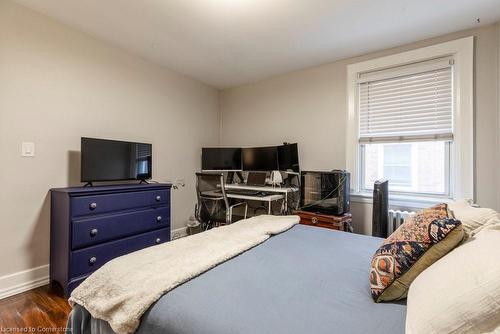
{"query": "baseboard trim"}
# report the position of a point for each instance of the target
(22, 281)
(178, 233)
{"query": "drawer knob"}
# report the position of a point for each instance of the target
(158, 219)
(93, 232)
(314, 220)
(93, 206)
(92, 260)
(158, 198)
(158, 240)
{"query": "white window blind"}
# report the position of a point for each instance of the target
(408, 103)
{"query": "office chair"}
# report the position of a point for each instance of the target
(213, 205)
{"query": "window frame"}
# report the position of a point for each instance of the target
(461, 178)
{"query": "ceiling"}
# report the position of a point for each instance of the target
(227, 43)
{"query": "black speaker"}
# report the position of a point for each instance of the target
(380, 208)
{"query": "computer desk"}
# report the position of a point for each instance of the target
(275, 194)
(268, 198)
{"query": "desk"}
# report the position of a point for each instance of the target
(268, 198)
(278, 191)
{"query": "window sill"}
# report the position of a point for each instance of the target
(401, 201)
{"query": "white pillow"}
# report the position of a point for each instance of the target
(473, 219)
(460, 293)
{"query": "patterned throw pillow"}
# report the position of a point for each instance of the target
(419, 242)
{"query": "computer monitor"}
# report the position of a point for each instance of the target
(288, 157)
(261, 159)
(221, 158)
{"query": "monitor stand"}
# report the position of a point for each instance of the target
(231, 175)
(88, 184)
(143, 181)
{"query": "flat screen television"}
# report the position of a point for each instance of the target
(221, 158)
(113, 160)
(288, 157)
(260, 159)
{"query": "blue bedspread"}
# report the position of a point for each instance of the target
(306, 280)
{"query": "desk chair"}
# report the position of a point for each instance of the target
(213, 205)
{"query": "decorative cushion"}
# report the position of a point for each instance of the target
(460, 293)
(419, 242)
(473, 219)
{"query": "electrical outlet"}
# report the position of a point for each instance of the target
(28, 149)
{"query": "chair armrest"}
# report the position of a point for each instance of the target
(229, 217)
(238, 204)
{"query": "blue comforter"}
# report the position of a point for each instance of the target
(306, 280)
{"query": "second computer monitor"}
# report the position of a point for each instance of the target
(260, 159)
(221, 158)
(288, 157)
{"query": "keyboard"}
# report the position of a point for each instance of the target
(246, 192)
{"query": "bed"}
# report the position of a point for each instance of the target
(305, 280)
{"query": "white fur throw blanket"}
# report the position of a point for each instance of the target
(124, 288)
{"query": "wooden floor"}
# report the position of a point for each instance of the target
(38, 310)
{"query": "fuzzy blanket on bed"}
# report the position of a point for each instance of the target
(124, 288)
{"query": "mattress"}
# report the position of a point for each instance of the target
(305, 280)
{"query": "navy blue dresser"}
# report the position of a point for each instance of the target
(92, 225)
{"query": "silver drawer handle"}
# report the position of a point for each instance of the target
(92, 260)
(158, 198)
(158, 240)
(93, 206)
(93, 232)
(158, 219)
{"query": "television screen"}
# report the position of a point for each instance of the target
(112, 160)
(288, 157)
(221, 158)
(260, 159)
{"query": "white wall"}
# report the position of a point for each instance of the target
(56, 85)
(309, 107)
(498, 134)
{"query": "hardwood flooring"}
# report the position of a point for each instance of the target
(42, 310)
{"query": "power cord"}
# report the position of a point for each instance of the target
(179, 183)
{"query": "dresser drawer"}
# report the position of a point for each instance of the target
(333, 226)
(90, 259)
(96, 204)
(91, 231)
(341, 223)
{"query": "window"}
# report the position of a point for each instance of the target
(410, 121)
(419, 167)
(397, 164)
(397, 107)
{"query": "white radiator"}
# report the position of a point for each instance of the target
(396, 218)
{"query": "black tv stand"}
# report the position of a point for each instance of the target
(143, 181)
(88, 184)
